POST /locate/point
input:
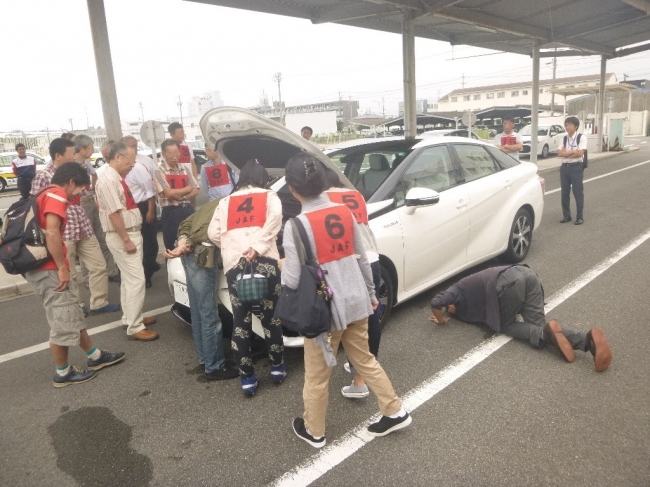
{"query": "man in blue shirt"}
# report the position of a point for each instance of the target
(217, 177)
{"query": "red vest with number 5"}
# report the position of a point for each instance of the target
(177, 181)
(247, 210)
(333, 233)
(354, 201)
(217, 175)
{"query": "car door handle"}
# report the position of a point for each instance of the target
(462, 204)
(507, 183)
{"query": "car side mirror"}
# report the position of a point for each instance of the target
(419, 198)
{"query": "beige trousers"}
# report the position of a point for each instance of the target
(317, 375)
(90, 255)
(90, 207)
(132, 287)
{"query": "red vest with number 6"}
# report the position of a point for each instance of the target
(333, 233)
(354, 201)
(247, 210)
(217, 175)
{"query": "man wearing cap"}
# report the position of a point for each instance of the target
(495, 296)
(509, 141)
(121, 220)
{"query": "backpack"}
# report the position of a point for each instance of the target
(22, 241)
(585, 158)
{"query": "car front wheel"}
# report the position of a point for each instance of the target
(3, 185)
(521, 235)
(386, 296)
(545, 151)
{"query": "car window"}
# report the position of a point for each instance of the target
(553, 131)
(503, 159)
(5, 161)
(559, 129)
(432, 169)
(475, 161)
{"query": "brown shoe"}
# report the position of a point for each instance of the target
(149, 320)
(599, 348)
(553, 336)
(144, 336)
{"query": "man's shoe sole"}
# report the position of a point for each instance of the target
(355, 395)
(320, 444)
(107, 364)
(602, 352)
(397, 427)
(559, 341)
(58, 385)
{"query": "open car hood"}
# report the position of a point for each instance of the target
(239, 135)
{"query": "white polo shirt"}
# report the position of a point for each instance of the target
(572, 144)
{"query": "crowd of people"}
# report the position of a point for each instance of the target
(106, 220)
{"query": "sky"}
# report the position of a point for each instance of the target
(165, 48)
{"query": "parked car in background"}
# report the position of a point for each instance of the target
(449, 133)
(437, 205)
(7, 177)
(549, 139)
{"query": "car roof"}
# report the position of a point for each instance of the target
(360, 142)
(450, 139)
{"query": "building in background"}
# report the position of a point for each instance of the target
(514, 94)
(201, 104)
(421, 106)
(345, 110)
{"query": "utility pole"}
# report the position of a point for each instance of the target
(87, 122)
(48, 135)
(553, 85)
(180, 108)
(463, 81)
(277, 77)
(383, 108)
(142, 111)
(71, 127)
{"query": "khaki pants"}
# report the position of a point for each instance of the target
(133, 285)
(90, 207)
(317, 375)
(90, 255)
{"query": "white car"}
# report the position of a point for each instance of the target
(550, 138)
(437, 206)
(7, 177)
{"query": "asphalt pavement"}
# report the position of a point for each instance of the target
(516, 417)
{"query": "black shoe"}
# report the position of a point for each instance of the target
(579, 221)
(565, 219)
(75, 376)
(106, 359)
(147, 283)
(301, 432)
(223, 373)
(387, 425)
(155, 267)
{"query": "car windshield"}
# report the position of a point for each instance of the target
(541, 130)
(367, 167)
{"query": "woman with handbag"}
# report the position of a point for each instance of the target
(245, 226)
(336, 242)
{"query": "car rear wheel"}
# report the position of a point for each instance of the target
(545, 151)
(386, 296)
(521, 235)
(3, 185)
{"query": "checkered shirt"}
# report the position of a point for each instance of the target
(78, 226)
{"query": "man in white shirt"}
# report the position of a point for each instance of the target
(571, 171)
(509, 141)
(24, 167)
(140, 182)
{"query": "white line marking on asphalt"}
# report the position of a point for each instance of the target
(92, 331)
(341, 449)
(602, 176)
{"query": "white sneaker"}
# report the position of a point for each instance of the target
(349, 369)
(353, 392)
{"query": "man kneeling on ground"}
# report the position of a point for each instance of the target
(495, 296)
(52, 284)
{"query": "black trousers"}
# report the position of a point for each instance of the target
(242, 315)
(171, 218)
(24, 186)
(149, 233)
(571, 177)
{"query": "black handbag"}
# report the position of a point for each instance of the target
(305, 310)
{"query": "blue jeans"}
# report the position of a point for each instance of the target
(206, 324)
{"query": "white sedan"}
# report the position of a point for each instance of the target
(437, 206)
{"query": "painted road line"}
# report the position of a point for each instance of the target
(602, 176)
(341, 449)
(92, 331)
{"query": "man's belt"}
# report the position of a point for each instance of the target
(136, 228)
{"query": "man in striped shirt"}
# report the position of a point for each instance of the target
(122, 221)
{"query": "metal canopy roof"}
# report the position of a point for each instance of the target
(421, 120)
(583, 27)
(586, 90)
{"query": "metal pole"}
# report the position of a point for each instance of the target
(629, 112)
(408, 61)
(601, 102)
(553, 86)
(534, 110)
(104, 65)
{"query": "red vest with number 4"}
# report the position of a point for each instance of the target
(354, 201)
(247, 210)
(130, 200)
(333, 233)
(217, 175)
(177, 181)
